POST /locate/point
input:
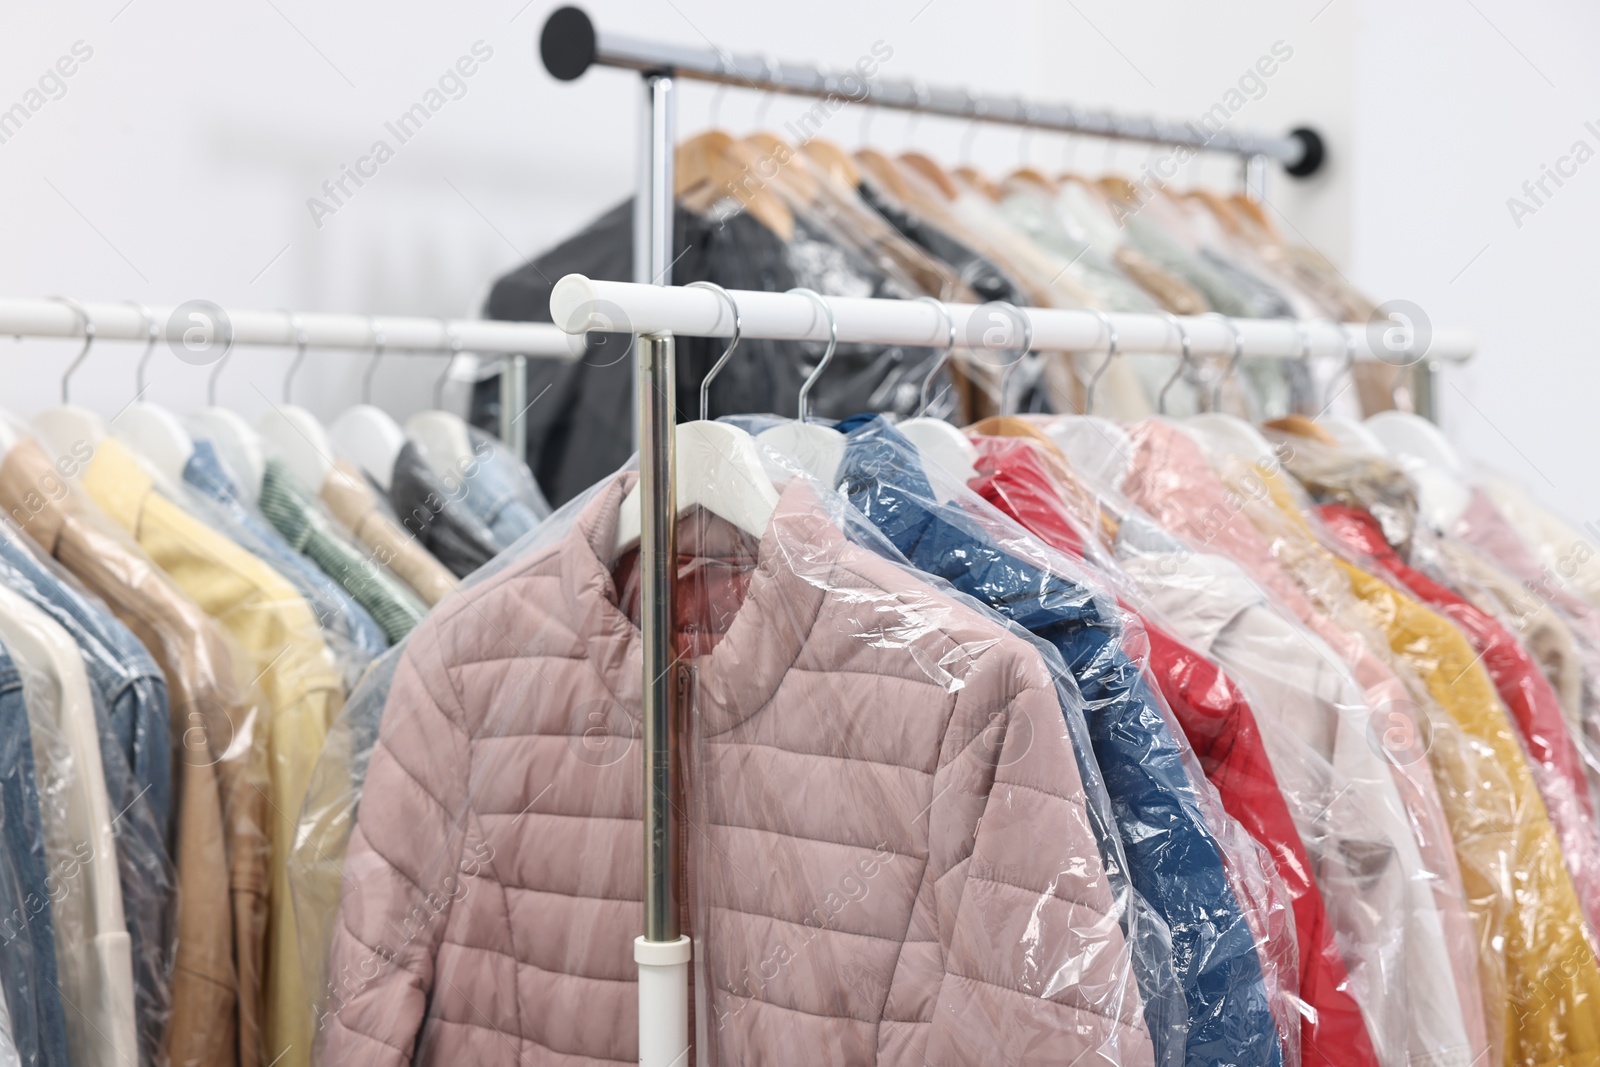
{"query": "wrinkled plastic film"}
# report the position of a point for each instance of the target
(1334, 836)
(352, 651)
(1165, 470)
(1144, 761)
(1512, 869)
(1368, 506)
(215, 951)
(1065, 971)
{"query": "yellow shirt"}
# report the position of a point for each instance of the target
(265, 614)
(1540, 975)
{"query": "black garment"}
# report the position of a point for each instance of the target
(579, 417)
(976, 269)
(432, 512)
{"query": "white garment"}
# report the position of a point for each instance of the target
(1346, 806)
(94, 955)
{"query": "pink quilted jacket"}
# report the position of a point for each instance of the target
(890, 858)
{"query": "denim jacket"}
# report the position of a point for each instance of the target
(27, 936)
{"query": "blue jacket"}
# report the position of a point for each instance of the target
(27, 936)
(337, 613)
(129, 694)
(501, 491)
(1173, 858)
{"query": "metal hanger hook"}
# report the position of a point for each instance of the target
(211, 380)
(1111, 354)
(301, 339)
(716, 104)
(378, 341)
(87, 329)
(944, 357)
(1011, 368)
(1304, 330)
(827, 356)
(453, 333)
(1186, 361)
(727, 353)
(769, 72)
(151, 333)
(1233, 364)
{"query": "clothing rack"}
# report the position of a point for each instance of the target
(578, 303)
(570, 44)
(128, 321)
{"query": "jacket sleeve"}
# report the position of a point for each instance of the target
(402, 873)
(1035, 966)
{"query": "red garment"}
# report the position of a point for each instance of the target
(1222, 730)
(1533, 703)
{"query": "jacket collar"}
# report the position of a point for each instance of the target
(802, 557)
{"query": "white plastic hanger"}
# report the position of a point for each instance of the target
(719, 467)
(1227, 432)
(938, 443)
(1431, 461)
(1094, 445)
(1350, 433)
(442, 435)
(236, 441)
(151, 431)
(819, 450)
(296, 434)
(366, 435)
(69, 430)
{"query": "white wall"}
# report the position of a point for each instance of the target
(179, 161)
(1456, 106)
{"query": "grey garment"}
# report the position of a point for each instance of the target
(1263, 299)
(1091, 267)
(579, 410)
(501, 490)
(1220, 290)
(435, 515)
(349, 629)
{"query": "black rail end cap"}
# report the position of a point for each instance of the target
(567, 44)
(1313, 152)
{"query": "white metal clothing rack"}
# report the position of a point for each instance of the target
(578, 303)
(570, 44)
(129, 321)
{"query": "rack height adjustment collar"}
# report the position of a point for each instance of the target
(571, 43)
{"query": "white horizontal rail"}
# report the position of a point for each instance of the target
(123, 321)
(579, 304)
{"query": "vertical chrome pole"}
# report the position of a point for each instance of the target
(513, 399)
(1425, 389)
(658, 557)
(663, 952)
(1255, 178)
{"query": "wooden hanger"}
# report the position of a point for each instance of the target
(886, 173)
(930, 170)
(981, 182)
(1220, 208)
(835, 160)
(1032, 176)
(1255, 212)
(715, 162)
(778, 158)
(1300, 426)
